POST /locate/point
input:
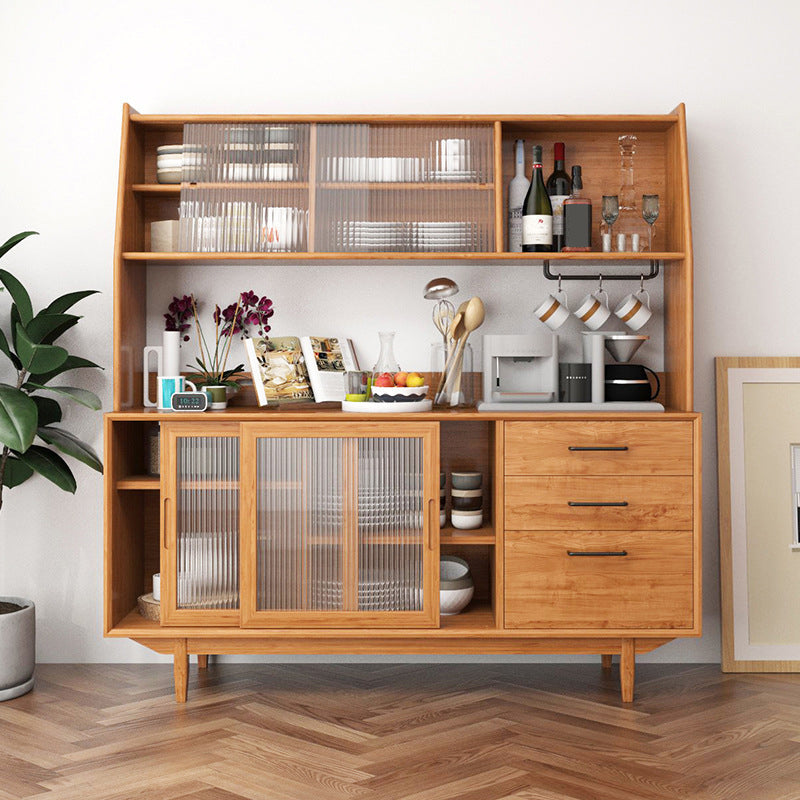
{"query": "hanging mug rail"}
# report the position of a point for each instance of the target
(645, 276)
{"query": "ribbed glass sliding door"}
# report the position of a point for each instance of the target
(202, 514)
(340, 531)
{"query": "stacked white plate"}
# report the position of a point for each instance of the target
(413, 236)
(386, 169)
(377, 595)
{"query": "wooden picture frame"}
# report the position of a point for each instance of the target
(755, 478)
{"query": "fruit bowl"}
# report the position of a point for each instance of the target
(399, 394)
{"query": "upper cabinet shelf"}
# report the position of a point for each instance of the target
(381, 187)
(608, 258)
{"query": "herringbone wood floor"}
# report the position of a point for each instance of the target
(472, 732)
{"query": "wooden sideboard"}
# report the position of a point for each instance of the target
(272, 533)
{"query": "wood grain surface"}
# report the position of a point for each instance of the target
(410, 732)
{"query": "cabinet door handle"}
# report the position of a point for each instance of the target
(165, 522)
(597, 552)
(591, 503)
(432, 521)
(609, 448)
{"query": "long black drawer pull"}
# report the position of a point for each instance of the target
(600, 449)
(597, 552)
(581, 504)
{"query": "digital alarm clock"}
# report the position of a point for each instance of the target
(189, 401)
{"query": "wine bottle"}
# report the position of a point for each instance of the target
(537, 212)
(559, 187)
(517, 190)
(577, 217)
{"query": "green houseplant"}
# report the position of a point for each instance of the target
(31, 440)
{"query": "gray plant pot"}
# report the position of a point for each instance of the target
(17, 648)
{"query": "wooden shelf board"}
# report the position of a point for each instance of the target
(161, 189)
(543, 122)
(331, 412)
(536, 258)
(139, 483)
(477, 615)
(476, 621)
(484, 535)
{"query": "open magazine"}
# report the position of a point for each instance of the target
(327, 359)
(288, 368)
(279, 370)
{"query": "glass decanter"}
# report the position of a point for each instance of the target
(630, 220)
(386, 360)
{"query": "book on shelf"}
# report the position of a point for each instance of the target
(279, 371)
(327, 359)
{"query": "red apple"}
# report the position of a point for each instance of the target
(400, 378)
(384, 379)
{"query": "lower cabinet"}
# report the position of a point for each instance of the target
(309, 536)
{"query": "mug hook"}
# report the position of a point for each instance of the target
(641, 282)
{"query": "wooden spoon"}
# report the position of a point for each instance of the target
(456, 331)
(474, 315)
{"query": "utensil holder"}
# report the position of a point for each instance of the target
(458, 391)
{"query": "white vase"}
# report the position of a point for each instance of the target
(171, 353)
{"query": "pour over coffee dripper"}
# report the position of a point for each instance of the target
(624, 346)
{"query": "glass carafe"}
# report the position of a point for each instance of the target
(386, 360)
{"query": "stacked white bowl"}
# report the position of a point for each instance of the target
(466, 500)
(169, 163)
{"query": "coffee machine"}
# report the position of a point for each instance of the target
(519, 371)
(622, 347)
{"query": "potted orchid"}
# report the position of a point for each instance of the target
(211, 371)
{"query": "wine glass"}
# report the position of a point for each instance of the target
(650, 213)
(610, 211)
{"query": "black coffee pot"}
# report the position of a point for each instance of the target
(629, 382)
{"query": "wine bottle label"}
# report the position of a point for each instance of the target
(557, 201)
(537, 229)
(515, 230)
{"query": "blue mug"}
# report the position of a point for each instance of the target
(168, 386)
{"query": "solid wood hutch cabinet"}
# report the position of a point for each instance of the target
(309, 530)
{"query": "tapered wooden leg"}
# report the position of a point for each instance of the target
(202, 661)
(181, 668)
(627, 669)
(605, 660)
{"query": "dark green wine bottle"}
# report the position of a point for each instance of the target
(537, 212)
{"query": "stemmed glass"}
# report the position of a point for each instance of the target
(610, 211)
(650, 213)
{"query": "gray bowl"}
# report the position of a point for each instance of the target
(466, 480)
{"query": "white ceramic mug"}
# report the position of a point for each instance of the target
(169, 385)
(634, 310)
(553, 312)
(593, 310)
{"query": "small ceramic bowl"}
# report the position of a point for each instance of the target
(456, 586)
(466, 480)
(169, 175)
(467, 503)
(466, 520)
(398, 394)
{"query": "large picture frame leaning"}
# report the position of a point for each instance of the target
(758, 446)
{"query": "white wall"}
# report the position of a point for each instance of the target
(68, 67)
